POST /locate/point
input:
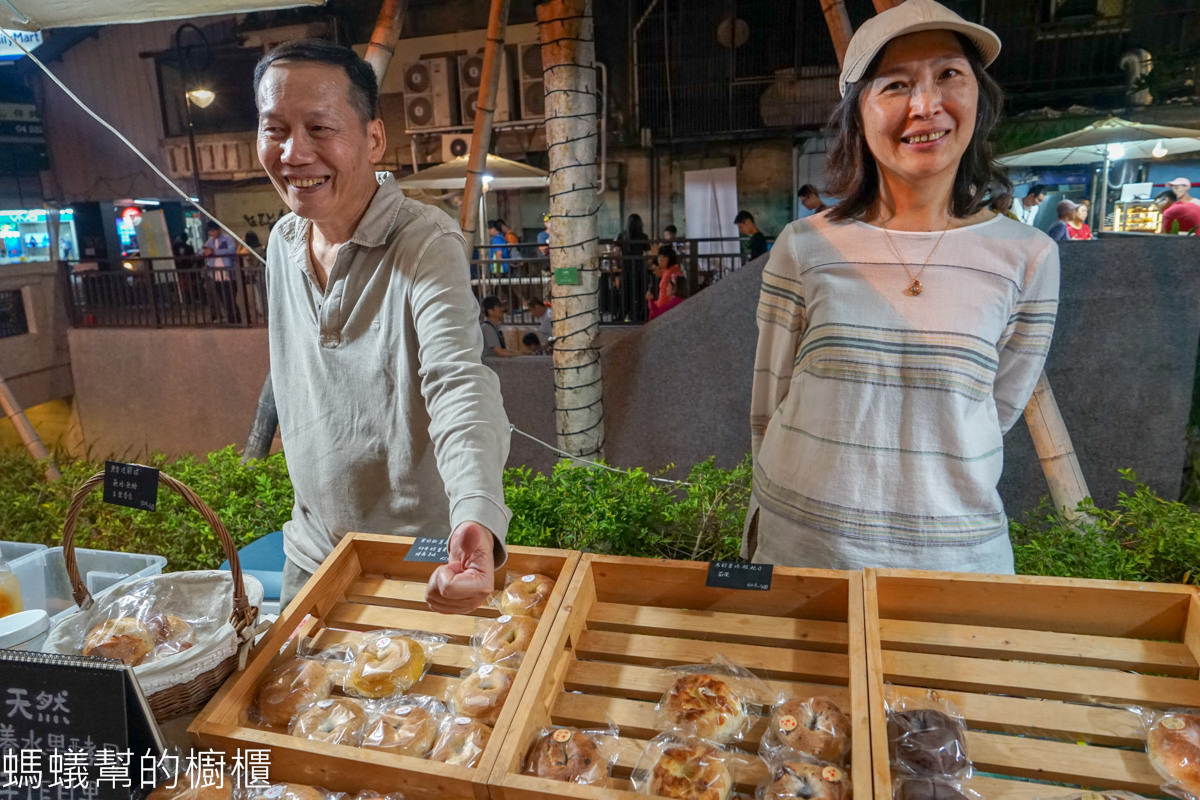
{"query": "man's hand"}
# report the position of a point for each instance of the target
(461, 585)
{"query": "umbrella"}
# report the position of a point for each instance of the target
(1096, 142)
(32, 15)
(1108, 140)
(499, 174)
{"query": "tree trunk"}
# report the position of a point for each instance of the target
(1053, 444)
(568, 63)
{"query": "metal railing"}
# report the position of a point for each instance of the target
(182, 292)
(625, 275)
(168, 293)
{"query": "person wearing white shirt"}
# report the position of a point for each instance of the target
(1027, 209)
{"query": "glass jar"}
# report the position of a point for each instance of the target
(10, 591)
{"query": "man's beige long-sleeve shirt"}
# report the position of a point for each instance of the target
(390, 423)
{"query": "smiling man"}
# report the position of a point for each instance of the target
(389, 422)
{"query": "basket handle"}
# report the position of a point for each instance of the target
(243, 613)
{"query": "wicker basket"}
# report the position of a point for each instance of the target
(184, 698)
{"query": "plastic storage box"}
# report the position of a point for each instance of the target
(11, 551)
(44, 581)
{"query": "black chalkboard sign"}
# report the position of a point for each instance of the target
(430, 549)
(739, 575)
(131, 485)
(72, 727)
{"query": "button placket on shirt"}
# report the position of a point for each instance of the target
(329, 308)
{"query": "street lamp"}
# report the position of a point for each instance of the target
(193, 95)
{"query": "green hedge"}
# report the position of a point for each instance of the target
(1143, 537)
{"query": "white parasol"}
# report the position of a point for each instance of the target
(32, 15)
(499, 174)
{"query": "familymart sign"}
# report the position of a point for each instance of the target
(8, 43)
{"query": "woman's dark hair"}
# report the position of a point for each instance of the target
(853, 175)
(364, 89)
(634, 230)
(251, 239)
(1167, 195)
(670, 254)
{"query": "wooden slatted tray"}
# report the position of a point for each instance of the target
(1042, 668)
(366, 584)
(624, 619)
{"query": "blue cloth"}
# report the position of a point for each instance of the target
(223, 250)
(544, 237)
(1058, 232)
(263, 558)
(500, 252)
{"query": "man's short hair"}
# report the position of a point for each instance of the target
(364, 88)
(533, 301)
(212, 226)
(490, 302)
(1035, 190)
(1065, 208)
(743, 216)
(670, 229)
(808, 190)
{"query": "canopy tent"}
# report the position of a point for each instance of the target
(1108, 140)
(32, 15)
(499, 174)
(1098, 141)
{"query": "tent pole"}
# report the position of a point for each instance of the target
(1103, 209)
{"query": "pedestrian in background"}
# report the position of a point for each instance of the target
(746, 227)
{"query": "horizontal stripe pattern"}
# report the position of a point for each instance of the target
(877, 417)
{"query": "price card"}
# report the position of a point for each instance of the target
(739, 575)
(430, 549)
(131, 485)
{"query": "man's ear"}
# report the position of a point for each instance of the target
(377, 139)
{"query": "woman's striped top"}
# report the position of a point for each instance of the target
(877, 417)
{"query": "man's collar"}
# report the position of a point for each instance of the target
(372, 231)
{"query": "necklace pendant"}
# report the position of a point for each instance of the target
(914, 288)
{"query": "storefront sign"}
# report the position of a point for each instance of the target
(738, 575)
(9, 51)
(131, 485)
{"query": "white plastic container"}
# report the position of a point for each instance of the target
(45, 585)
(25, 630)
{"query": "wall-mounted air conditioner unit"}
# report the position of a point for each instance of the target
(430, 94)
(470, 76)
(533, 92)
(455, 145)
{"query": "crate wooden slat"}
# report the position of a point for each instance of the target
(1043, 669)
(366, 584)
(624, 619)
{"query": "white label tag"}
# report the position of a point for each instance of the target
(404, 710)
(486, 670)
(462, 720)
(529, 578)
(504, 619)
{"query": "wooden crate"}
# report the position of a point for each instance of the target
(366, 584)
(626, 618)
(1040, 668)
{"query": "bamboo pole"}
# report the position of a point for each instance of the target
(568, 65)
(481, 135)
(388, 25)
(33, 443)
(839, 25)
(1055, 451)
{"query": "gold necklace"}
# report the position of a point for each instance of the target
(914, 287)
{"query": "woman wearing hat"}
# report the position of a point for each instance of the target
(902, 332)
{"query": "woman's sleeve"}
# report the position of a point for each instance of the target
(781, 323)
(1026, 339)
